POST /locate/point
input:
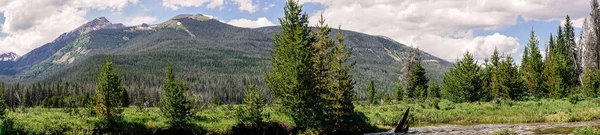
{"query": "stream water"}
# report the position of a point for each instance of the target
(481, 129)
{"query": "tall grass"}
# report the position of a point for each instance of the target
(221, 119)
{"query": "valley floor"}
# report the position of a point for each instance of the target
(428, 116)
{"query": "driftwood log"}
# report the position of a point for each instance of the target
(403, 124)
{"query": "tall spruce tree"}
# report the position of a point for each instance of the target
(2, 104)
(532, 66)
(371, 93)
(573, 56)
(339, 107)
(550, 74)
(174, 105)
(292, 78)
(510, 79)
(109, 98)
(416, 86)
(462, 80)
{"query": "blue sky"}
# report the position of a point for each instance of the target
(443, 28)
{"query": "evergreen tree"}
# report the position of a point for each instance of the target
(109, 98)
(573, 56)
(510, 79)
(550, 73)
(2, 104)
(590, 82)
(462, 80)
(433, 91)
(399, 93)
(292, 78)
(251, 112)
(371, 92)
(339, 108)
(532, 67)
(175, 107)
(417, 82)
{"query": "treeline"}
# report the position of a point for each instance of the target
(569, 68)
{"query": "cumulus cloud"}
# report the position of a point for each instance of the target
(30, 24)
(246, 5)
(176, 4)
(260, 22)
(444, 28)
(139, 20)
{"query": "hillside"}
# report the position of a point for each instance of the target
(211, 55)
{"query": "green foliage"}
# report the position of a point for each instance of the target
(446, 104)
(338, 108)
(586, 131)
(511, 83)
(433, 91)
(109, 98)
(532, 66)
(417, 82)
(371, 90)
(292, 78)
(2, 105)
(399, 92)
(174, 105)
(252, 110)
(590, 82)
(462, 82)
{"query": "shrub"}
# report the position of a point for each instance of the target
(505, 131)
(586, 131)
(576, 98)
(446, 104)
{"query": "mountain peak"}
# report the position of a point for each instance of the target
(97, 24)
(198, 17)
(10, 56)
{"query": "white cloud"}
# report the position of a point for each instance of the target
(139, 20)
(30, 24)
(576, 22)
(260, 22)
(176, 4)
(246, 5)
(444, 28)
(268, 7)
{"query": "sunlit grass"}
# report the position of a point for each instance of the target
(221, 119)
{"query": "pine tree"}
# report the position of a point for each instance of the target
(251, 112)
(399, 92)
(174, 105)
(371, 93)
(433, 91)
(550, 74)
(532, 67)
(510, 79)
(417, 82)
(590, 82)
(573, 56)
(2, 104)
(292, 80)
(462, 80)
(339, 108)
(109, 98)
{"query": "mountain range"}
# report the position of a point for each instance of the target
(202, 50)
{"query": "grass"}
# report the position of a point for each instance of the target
(546, 110)
(221, 119)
